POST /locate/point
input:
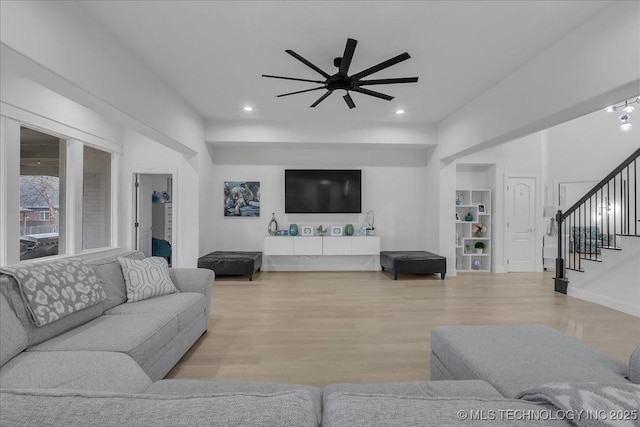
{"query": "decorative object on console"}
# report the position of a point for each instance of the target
(349, 230)
(362, 231)
(293, 230)
(369, 221)
(468, 217)
(459, 199)
(467, 249)
(307, 230)
(336, 230)
(166, 198)
(155, 197)
(282, 233)
(478, 229)
(321, 231)
(479, 247)
(273, 225)
(242, 198)
(481, 208)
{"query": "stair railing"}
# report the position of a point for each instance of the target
(608, 210)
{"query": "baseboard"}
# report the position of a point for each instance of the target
(622, 306)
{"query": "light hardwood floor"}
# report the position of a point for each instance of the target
(318, 328)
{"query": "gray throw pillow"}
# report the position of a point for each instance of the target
(146, 278)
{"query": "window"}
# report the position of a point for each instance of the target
(96, 199)
(42, 183)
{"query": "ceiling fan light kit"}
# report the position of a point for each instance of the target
(342, 81)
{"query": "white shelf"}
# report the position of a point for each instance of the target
(470, 200)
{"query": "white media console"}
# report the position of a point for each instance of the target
(321, 253)
(322, 245)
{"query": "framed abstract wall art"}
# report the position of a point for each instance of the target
(242, 198)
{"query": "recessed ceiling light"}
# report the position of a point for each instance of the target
(248, 108)
(401, 111)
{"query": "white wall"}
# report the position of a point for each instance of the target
(143, 155)
(70, 69)
(89, 65)
(391, 187)
(592, 67)
(588, 148)
(613, 282)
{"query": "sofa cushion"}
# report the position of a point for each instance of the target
(35, 334)
(140, 336)
(13, 337)
(634, 366)
(56, 289)
(185, 306)
(109, 272)
(200, 387)
(64, 408)
(74, 370)
(146, 278)
(365, 410)
(452, 389)
(514, 358)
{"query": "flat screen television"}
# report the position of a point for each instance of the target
(322, 191)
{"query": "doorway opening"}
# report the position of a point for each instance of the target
(153, 215)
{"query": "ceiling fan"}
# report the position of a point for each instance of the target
(341, 79)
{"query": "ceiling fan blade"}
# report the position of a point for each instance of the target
(322, 98)
(307, 63)
(349, 101)
(347, 56)
(381, 66)
(372, 93)
(387, 81)
(292, 78)
(300, 91)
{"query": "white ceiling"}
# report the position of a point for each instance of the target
(213, 52)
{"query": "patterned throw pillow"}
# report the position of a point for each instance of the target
(146, 278)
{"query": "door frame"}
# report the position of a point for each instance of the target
(537, 218)
(175, 211)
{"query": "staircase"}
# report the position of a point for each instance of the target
(598, 242)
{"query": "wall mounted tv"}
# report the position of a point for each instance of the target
(322, 191)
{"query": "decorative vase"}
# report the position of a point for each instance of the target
(468, 217)
(476, 264)
(479, 251)
(371, 232)
(155, 197)
(293, 230)
(349, 230)
(273, 225)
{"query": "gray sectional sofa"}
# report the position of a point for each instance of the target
(103, 365)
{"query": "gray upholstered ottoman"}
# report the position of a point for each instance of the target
(514, 358)
(227, 263)
(413, 262)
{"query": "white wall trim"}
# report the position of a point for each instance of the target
(616, 304)
(56, 128)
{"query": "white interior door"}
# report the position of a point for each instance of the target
(521, 224)
(144, 189)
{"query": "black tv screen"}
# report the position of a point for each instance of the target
(322, 191)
